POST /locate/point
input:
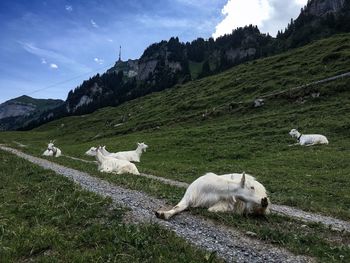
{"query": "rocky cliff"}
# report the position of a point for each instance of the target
(323, 7)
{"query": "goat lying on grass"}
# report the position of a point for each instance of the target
(308, 139)
(131, 156)
(91, 152)
(112, 165)
(52, 150)
(238, 193)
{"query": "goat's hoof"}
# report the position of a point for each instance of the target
(160, 215)
(264, 202)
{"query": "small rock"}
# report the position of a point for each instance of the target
(259, 103)
(252, 234)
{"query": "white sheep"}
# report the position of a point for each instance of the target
(52, 150)
(131, 156)
(238, 193)
(112, 165)
(308, 139)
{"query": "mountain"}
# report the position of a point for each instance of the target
(211, 124)
(16, 112)
(161, 66)
(318, 19)
(169, 63)
(130, 68)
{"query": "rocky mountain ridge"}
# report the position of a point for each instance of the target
(16, 112)
(168, 63)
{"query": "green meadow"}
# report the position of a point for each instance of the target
(210, 125)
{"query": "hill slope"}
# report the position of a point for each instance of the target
(15, 112)
(167, 63)
(211, 125)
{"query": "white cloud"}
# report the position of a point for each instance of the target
(239, 13)
(43, 61)
(53, 56)
(94, 24)
(53, 66)
(69, 8)
(301, 2)
(269, 15)
(99, 60)
(110, 40)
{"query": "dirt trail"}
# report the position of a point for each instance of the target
(333, 223)
(231, 245)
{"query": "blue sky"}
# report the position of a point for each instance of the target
(66, 41)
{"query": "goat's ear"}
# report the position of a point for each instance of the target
(243, 180)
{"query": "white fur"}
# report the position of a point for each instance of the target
(52, 150)
(238, 193)
(91, 152)
(48, 153)
(308, 139)
(112, 165)
(131, 156)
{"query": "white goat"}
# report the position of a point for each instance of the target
(238, 193)
(91, 152)
(52, 150)
(48, 153)
(308, 139)
(131, 156)
(112, 165)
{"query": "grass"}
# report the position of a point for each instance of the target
(255, 141)
(301, 238)
(46, 218)
(202, 126)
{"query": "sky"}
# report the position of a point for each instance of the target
(49, 47)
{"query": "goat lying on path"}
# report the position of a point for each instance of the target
(131, 156)
(308, 139)
(52, 150)
(112, 165)
(238, 193)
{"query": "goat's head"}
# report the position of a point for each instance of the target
(294, 133)
(91, 152)
(50, 145)
(253, 194)
(142, 145)
(99, 149)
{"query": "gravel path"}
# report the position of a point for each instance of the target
(333, 223)
(229, 244)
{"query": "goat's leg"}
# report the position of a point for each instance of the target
(223, 205)
(175, 210)
(294, 144)
(311, 144)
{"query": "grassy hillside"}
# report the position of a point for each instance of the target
(235, 136)
(211, 125)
